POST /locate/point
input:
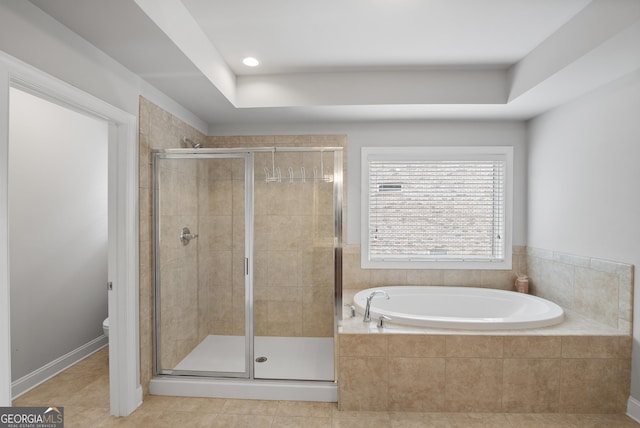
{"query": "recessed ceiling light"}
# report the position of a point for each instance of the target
(250, 62)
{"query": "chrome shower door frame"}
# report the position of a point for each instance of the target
(248, 155)
(198, 154)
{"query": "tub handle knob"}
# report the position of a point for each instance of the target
(382, 319)
(352, 310)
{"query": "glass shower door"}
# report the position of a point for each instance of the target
(294, 276)
(202, 284)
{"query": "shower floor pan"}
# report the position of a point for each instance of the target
(291, 358)
(296, 368)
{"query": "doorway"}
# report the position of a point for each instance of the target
(124, 370)
(58, 236)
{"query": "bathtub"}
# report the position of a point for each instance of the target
(460, 307)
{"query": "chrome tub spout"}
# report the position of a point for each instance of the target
(367, 309)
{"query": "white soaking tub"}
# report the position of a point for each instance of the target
(460, 307)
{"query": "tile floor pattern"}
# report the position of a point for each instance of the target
(83, 390)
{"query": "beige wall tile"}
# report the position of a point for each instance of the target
(589, 386)
(625, 345)
(596, 295)
(608, 266)
(284, 319)
(317, 267)
(473, 385)
(531, 385)
(417, 346)
(363, 345)
(571, 259)
(590, 347)
(474, 346)
(563, 283)
(384, 277)
(283, 268)
(425, 277)
(416, 384)
(215, 197)
(585, 284)
(625, 297)
(357, 391)
(468, 278)
(624, 383)
(354, 277)
(501, 279)
(317, 312)
(532, 347)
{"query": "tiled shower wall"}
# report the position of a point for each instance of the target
(294, 243)
(158, 130)
(293, 236)
(178, 263)
(221, 267)
(293, 247)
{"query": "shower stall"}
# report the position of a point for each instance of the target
(247, 255)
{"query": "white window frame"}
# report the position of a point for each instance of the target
(504, 153)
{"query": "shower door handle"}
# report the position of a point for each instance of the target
(186, 236)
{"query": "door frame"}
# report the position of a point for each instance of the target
(124, 369)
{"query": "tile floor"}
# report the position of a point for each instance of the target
(83, 390)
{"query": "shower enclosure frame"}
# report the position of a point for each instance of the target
(248, 179)
(244, 384)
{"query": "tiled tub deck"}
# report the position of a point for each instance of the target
(577, 367)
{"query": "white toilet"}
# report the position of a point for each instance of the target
(105, 326)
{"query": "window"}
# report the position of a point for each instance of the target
(437, 207)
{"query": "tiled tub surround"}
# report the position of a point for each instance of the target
(452, 372)
(598, 289)
(581, 365)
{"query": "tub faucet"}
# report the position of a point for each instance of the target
(367, 309)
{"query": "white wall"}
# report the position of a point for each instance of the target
(57, 230)
(29, 34)
(427, 133)
(584, 176)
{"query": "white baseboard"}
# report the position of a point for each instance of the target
(46, 372)
(633, 409)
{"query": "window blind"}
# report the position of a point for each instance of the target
(437, 209)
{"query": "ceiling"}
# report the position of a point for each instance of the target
(353, 60)
(331, 35)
